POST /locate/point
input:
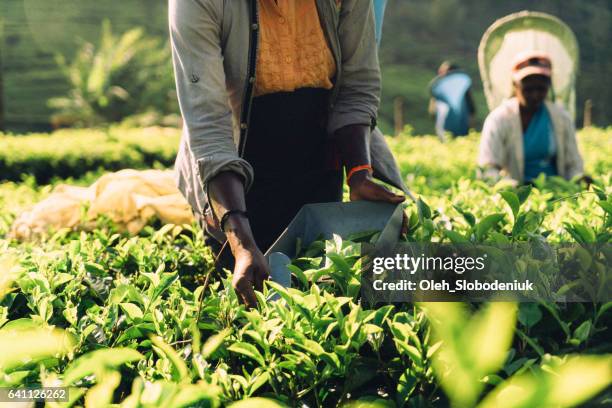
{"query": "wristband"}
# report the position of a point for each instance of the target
(229, 214)
(356, 169)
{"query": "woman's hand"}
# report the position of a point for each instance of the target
(250, 267)
(250, 271)
(353, 143)
(362, 187)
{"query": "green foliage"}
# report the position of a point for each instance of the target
(561, 382)
(96, 362)
(117, 78)
(431, 168)
(144, 332)
(31, 345)
(73, 153)
(471, 347)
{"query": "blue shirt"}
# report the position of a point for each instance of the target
(379, 15)
(540, 146)
(452, 89)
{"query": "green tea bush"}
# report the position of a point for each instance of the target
(72, 153)
(142, 301)
(145, 321)
(431, 167)
(428, 166)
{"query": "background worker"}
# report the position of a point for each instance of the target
(451, 102)
(529, 135)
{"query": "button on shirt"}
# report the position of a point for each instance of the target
(293, 52)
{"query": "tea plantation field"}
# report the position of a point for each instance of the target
(133, 322)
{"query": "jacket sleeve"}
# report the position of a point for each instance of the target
(359, 88)
(491, 153)
(195, 32)
(573, 160)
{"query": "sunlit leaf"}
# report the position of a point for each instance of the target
(490, 335)
(513, 202)
(573, 382)
(29, 345)
(101, 394)
(486, 224)
(214, 342)
(248, 350)
(257, 403)
(181, 372)
(132, 311)
(98, 361)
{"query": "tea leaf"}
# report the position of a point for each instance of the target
(214, 342)
(257, 403)
(579, 379)
(165, 281)
(132, 311)
(249, 351)
(405, 387)
(489, 336)
(607, 206)
(30, 345)
(99, 361)
(456, 237)
(423, 209)
(101, 394)
(486, 224)
(198, 394)
(529, 314)
(513, 202)
(181, 372)
(523, 193)
(582, 332)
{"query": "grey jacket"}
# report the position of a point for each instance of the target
(501, 144)
(214, 49)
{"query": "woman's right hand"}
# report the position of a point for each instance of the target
(250, 267)
(250, 271)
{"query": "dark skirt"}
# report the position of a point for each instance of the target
(293, 160)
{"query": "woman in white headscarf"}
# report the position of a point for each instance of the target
(528, 135)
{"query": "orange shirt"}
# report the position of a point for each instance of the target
(293, 52)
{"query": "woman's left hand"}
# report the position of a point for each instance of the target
(362, 187)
